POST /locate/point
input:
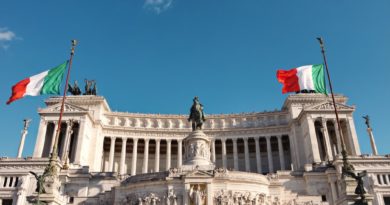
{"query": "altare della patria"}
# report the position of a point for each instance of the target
(291, 156)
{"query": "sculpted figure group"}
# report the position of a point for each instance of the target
(90, 88)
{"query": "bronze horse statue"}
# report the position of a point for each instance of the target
(196, 115)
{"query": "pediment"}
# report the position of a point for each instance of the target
(67, 108)
(328, 106)
(200, 173)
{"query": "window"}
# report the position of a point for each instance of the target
(379, 179)
(71, 200)
(385, 179)
(7, 201)
(323, 197)
(5, 181)
(386, 199)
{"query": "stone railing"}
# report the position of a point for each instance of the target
(232, 121)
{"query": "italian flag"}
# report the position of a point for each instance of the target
(47, 82)
(308, 77)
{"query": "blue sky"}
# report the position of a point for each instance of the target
(153, 56)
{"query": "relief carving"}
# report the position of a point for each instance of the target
(138, 199)
(171, 197)
(224, 197)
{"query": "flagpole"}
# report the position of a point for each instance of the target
(346, 165)
(54, 154)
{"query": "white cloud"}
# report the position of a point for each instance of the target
(158, 6)
(5, 37)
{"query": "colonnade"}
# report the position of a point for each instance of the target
(147, 156)
(67, 139)
(256, 142)
(329, 139)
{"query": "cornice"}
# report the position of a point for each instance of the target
(310, 98)
(183, 133)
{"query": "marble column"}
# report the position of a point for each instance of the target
(41, 137)
(281, 153)
(246, 148)
(258, 155)
(224, 160)
(333, 191)
(338, 137)
(186, 199)
(65, 149)
(111, 156)
(168, 161)
(235, 154)
(79, 157)
(313, 140)
(269, 152)
(123, 157)
(325, 133)
(372, 141)
(295, 162)
(213, 157)
(53, 137)
(23, 137)
(179, 152)
(146, 156)
(134, 157)
(157, 156)
(355, 148)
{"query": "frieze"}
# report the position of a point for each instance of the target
(175, 172)
(220, 172)
(143, 199)
(184, 133)
(67, 108)
(328, 106)
(230, 197)
(153, 121)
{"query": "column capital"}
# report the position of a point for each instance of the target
(245, 138)
(113, 138)
(70, 122)
(179, 140)
(223, 140)
(157, 140)
(168, 140)
(124, 139)
(135, 139)
(268, 137)
(146, 140)
(234, 139)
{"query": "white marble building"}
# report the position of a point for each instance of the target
(277, 157)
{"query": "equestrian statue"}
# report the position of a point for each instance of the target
(196, 115)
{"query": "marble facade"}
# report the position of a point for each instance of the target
(271, 157)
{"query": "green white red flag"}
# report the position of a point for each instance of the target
(309, 78)
(47, 82)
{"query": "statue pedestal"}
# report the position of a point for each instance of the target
(197, 152)
(52, 195)
(348, 196)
